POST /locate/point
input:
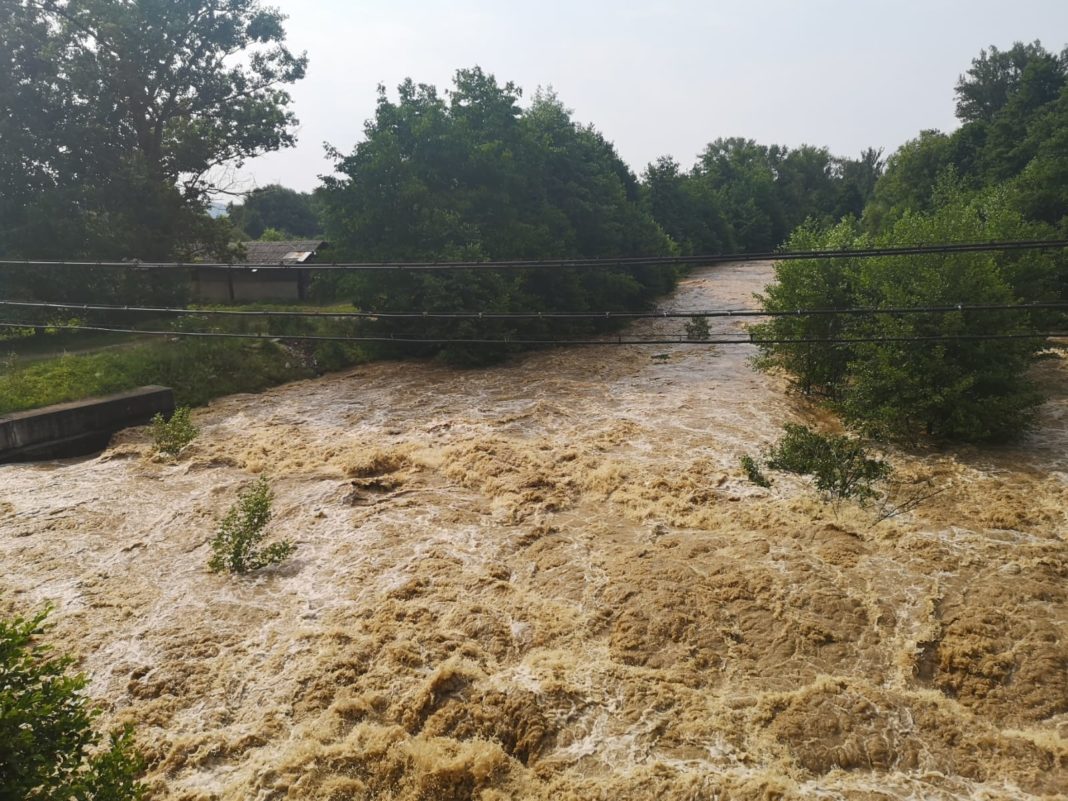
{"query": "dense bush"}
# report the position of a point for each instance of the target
(235, 545)
(697, 329)
(753, 471)
(894, 378)
(49, 750)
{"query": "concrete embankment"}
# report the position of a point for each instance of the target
(79, 428)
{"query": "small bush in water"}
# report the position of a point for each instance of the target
(697, 329)
(172, 435)
(235, 546)
(839, 465)
(753, 471)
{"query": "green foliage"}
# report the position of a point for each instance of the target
(753, 471)
(1013, 107)
(114, 116)
(234, 547)
(198, 370)
(172, 435)
(697, 329)
(997, 76)
(471, 175)
(909, 180)
(294, 215)
(48, 747)
(743, 195)
(840, 466)
(968, 388)
(811, 284)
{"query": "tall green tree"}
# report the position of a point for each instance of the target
(470, 174)
(278, 207)
(1010, 105)
(120, 117)
(995, 76)
(687, 209)
(742, 174)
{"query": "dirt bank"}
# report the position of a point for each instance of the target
(550, 580)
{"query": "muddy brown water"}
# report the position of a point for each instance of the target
(550, 580)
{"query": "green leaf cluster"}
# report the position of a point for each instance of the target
(697, 329)
(276, 210)
(48, 746)
(753, 471)
(170, 436)
(968, 388)
(235, 545)
(741, 195)
(1013, 106)
(840, 466)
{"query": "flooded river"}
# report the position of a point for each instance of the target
(551, 580)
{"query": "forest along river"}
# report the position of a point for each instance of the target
(551, 580)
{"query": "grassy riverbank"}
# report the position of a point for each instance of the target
(197, 370)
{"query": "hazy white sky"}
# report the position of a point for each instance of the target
(659, 77)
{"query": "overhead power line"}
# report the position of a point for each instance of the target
(629, 261)
(608, 315)
(620, 340)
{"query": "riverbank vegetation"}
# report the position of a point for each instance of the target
(941, 375)
(478, 172)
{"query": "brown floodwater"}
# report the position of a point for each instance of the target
(551, 580)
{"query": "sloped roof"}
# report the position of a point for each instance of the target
(297, 251)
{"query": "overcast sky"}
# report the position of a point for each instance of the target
(662, 77)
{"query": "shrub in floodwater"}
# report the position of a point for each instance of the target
(235, 546)
(49, 748)
(753, 471)
(172, 435)
(697, 329)
(840, 466)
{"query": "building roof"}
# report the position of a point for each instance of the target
(297, 251)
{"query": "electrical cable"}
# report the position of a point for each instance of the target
(675, 314)
(626, 261)
(505, 341)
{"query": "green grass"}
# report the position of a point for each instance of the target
(197, 370)
(59, 366)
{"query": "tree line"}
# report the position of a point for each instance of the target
(120, 122)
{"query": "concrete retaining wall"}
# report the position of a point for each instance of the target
(79, 428)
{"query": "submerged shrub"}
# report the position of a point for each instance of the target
(697, 329)
(753, 471)
(840, 465)
(234, 547)
(172, 435)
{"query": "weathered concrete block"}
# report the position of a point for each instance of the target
(79, 428)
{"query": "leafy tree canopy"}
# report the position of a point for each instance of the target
(1012, 104)
(965, 389)
(293, 213)
(471, 174)
(742, 195)
(997, 75)
(119, 118)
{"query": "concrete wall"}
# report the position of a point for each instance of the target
(79, 428)
(242, 286)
